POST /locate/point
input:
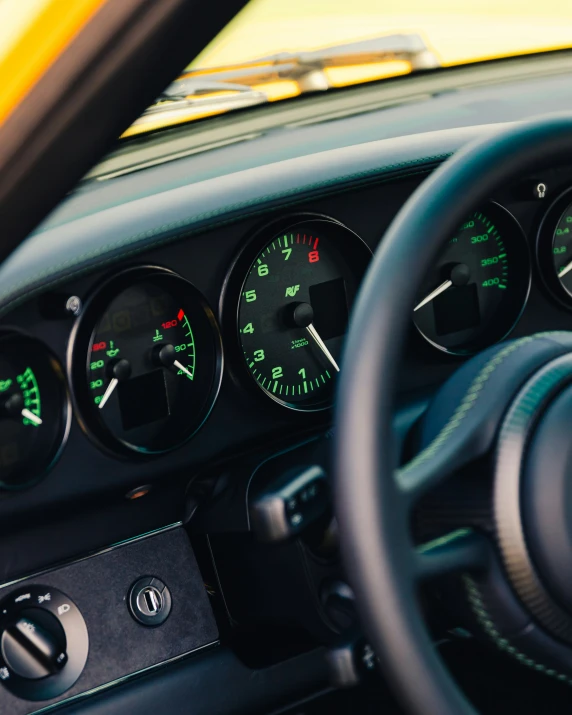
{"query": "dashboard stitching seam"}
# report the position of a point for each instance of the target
(468, 402)
(179, 225)
(487, 624)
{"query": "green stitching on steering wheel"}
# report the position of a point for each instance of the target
(485, 621)
(469, 401)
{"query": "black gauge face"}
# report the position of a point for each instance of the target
(33, 410)
(294, 308)
(562, 250)
(146, 362)
(478, 288)
(554, 248)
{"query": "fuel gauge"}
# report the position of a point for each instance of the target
(34, 413)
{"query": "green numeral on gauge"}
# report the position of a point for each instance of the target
(250, 296)
(286, 252)
(248, 328)
(95, 384)
(96, 365)
(258, 355)
(263, 270)
(277, 373)
(302, 373)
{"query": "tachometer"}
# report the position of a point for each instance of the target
(301, 280)
(146, 362)
(34, 414)
(478, 288)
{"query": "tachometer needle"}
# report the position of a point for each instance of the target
(320, 343)
(563, 271)
(107, 394)
(183, 368)
(428, 298)
(31, 416)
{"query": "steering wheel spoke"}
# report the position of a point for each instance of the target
(458, 551)
(427, 471)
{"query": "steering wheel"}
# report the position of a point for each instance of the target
(493, 406)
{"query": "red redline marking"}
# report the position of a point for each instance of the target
(298, 238)
(316, 244)
(304, 241)
(181, 314)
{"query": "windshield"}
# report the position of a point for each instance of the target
(278, 49)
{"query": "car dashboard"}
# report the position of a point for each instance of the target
(167, 358)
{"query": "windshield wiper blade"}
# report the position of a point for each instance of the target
(307, 68)
(202, 94)
(215, 90)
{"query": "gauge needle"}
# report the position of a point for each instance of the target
(183, 368)
(107, 394)
(320, 343)
(428, 298)
(565, 270)
(31, 416)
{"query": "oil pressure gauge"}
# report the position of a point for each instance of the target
(34, 411)
(145, 362)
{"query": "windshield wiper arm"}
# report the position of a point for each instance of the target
(215, 90)
(307, 68)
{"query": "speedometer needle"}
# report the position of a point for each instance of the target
(428, 298)
(459, 276)
(563, 271)
(320, 343)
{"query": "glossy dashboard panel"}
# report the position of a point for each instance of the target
(244, 417)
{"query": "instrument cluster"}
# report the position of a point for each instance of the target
(145, 355)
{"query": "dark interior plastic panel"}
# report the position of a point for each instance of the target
(212, 683)
(118, 645)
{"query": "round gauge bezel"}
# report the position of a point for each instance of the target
(78, 357)
(502, 215)
(544, 245)
(238, 275)
(66, 411)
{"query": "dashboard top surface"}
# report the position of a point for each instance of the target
(52, 255)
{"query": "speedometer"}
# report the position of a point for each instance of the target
(293, 308)
(478, 287)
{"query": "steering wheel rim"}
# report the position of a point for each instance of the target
(372, 500)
